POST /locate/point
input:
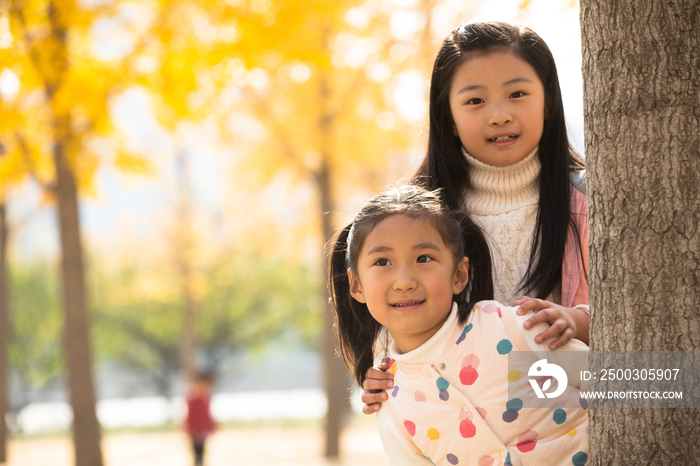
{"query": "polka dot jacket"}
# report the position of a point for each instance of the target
(465, 405)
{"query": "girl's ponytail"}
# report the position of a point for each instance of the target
(357, 329)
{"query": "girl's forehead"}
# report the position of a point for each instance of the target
(498, 63)
(398, 220)
(398, 227)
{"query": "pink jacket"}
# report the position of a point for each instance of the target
(574, 274)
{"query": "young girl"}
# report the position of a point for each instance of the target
(498, 148)
(199, 423)
(406, 264)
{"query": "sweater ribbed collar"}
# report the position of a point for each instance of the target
(496, 190)
(431, 350)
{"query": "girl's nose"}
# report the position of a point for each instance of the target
(500, 115)
(405, 280)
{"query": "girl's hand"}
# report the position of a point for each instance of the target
(566, 322)
(377, 381)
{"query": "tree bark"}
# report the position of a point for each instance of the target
(642, 125)
(4, 331)
(336, 374)
(86, 428)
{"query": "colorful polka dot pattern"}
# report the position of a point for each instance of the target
(504, 346)
(579, 459)
(467, 429)
(437, 432)
(527, 441)
(516, 404)
(466, 330)
(559, 416)
(442, 386)
(410, 427)
(512, 407)
(491, 309)
(468, 373)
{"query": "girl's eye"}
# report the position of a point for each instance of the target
(517, 94)
(475, 101)
(423, 259)
(382, 262)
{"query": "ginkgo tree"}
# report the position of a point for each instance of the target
(60, 131)
(56, 134)
(174, 47)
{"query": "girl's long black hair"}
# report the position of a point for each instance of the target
(357, 329)
(445, 167)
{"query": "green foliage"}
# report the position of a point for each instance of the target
(246, 302)
(35, 350)
(252, 299)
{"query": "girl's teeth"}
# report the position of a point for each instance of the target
(503, 138)
(404, 305)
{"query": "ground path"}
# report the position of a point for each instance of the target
(237, 446)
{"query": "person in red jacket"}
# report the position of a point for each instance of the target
(199, 422)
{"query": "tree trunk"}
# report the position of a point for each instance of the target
(4, 331)
(642, 124)
(336, 374)
(184, 240)
(86, 428)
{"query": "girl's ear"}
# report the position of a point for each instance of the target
(461, 276)
(356, 287)
(454, 130)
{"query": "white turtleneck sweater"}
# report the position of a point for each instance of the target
(503, 202)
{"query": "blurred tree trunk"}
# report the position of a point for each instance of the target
(183, 253)
(86, 428)
(4, 331)
(642, 122)
(337, 380)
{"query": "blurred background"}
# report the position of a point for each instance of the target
(212, 148)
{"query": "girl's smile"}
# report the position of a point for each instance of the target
(407, 304)
(498, 107)
(407, 276)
